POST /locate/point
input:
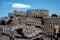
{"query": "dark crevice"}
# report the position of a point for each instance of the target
(38, 39)
(41, 20)
(2, 22)
(28, 24)
(9, 21)
(58, 35)
(22, 37)
(11, 16)
(37, 26)
(54, 15)
(19, 31)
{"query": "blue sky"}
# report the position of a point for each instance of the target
(8, 6)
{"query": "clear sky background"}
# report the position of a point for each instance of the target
(8, 6)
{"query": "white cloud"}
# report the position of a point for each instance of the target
(19, 5)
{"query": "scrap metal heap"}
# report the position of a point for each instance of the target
(31, 25)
